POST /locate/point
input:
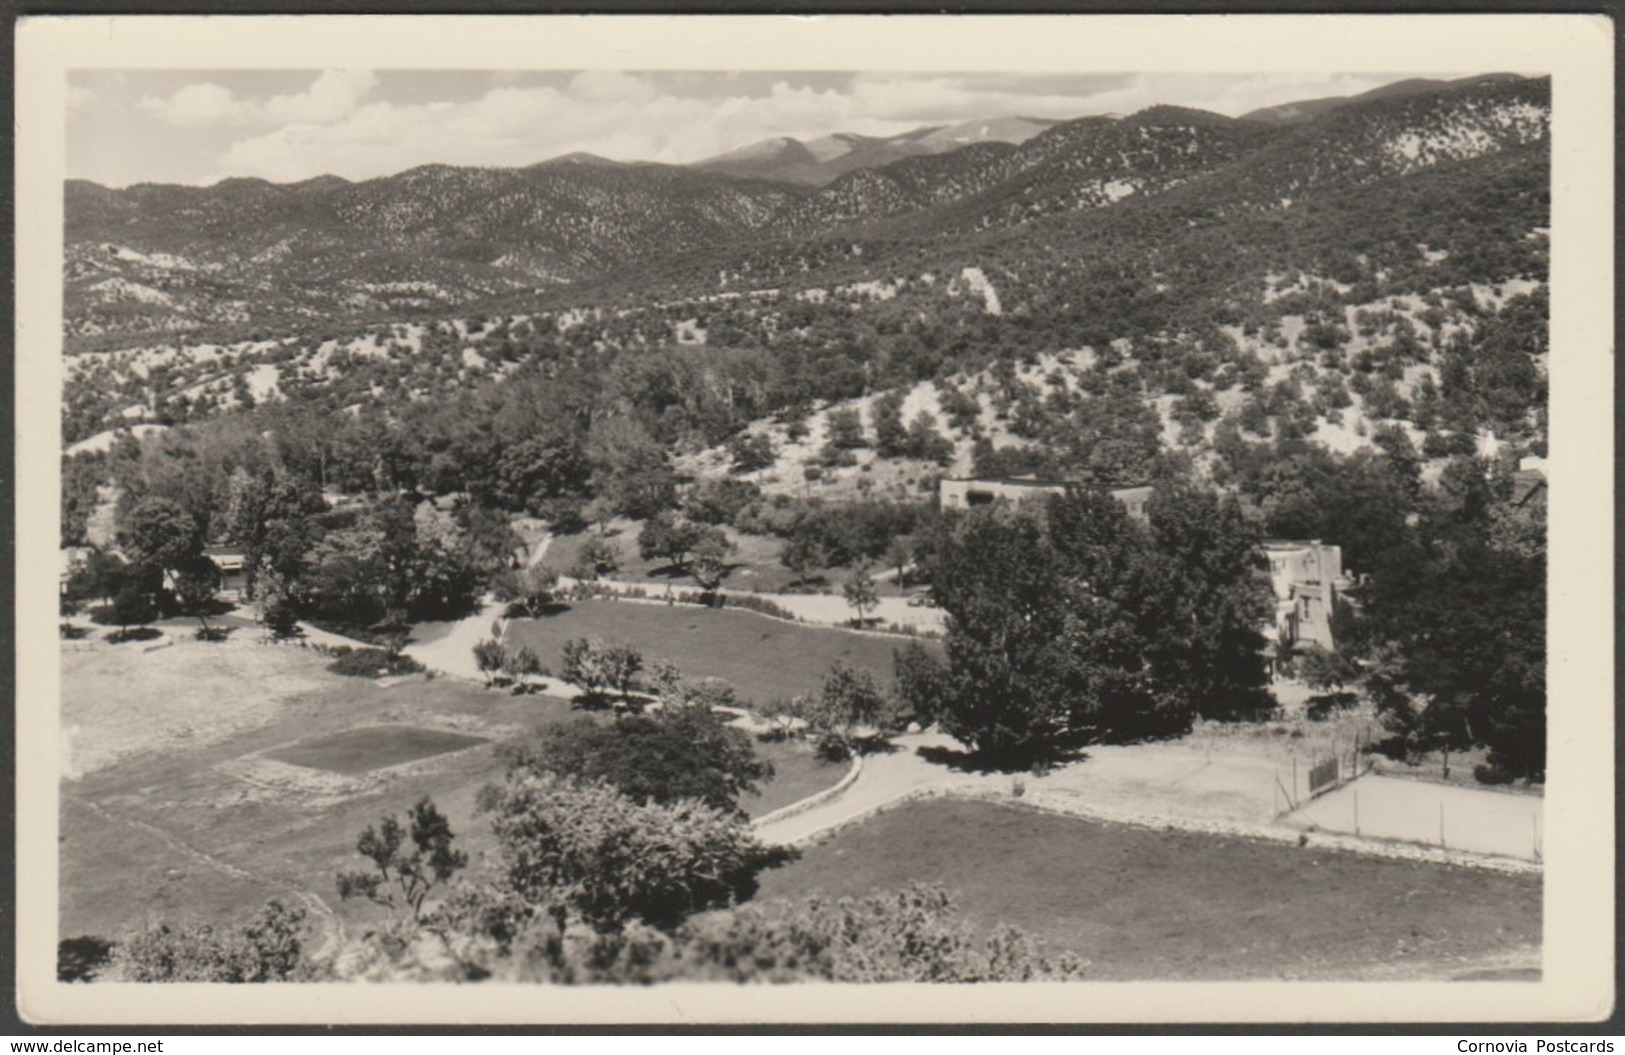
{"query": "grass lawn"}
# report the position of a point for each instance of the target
(761, 657)
(371, 747)
(1140, 904)
(797, 773)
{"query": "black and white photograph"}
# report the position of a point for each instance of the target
(578, 518)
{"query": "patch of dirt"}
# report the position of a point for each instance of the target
(118, 702)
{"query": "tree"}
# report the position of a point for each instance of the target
(925, 442)
(891, 438)
(1464, 626)
(846, 429)
(751, 453)
(922, 682)
(997, 579)
(100, 577)
(899, 555)
(860, 592)
(801, 553)
(159, 534)
(266, 949)
(1207, 572)
(669, 537)
(674, 754)
(599, 556)
(134, 604)
(1322, 668)
(592, 851)
(275, 518)
(533, 588)
(1071, 623)
(596, 666)
(196, 582)
(408, 872)
(522, 664)
(490, 657)
(710, 564)
(848, 699)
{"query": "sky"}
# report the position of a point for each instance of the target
(201, 126)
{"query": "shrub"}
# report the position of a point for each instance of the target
(612, 861)
(1325, 705)
(134, 633)
(677, 753)
(372, 663)
(597, 666)
(81, 959)
(266, 949)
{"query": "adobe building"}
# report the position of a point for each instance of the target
(1307, 578)
(967, 493)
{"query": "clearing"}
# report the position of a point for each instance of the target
(761, 657)
(1169, 905)
(194, 798)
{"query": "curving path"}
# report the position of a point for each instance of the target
(1151, 785)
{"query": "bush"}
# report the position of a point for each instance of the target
(594, 851)
(1328, 704)
(266, 949)
(134, 633)
(81, 959)
(1488, 773)
(372, 663)
(678, 753)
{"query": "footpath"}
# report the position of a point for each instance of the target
(1147, 785)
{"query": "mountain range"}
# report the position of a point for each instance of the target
(817, 162)
(152, 260)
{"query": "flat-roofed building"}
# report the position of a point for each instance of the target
(970, 492)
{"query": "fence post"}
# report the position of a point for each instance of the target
(1356, 809)
(1441, 825)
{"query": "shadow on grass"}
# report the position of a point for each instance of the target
(516, 610)
(971, 762)
(135, 633)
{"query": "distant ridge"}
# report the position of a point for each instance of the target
(1306, 109)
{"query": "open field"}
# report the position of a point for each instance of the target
(762, 657)
(1144, 904)
(188, 804)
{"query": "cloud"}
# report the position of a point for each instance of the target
(332, 96)
(198, 106)
(341, 125)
